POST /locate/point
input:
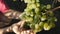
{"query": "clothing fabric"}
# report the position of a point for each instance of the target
(3, 6)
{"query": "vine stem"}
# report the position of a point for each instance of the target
(54, 9)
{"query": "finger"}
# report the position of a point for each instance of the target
(25, 32)
(1, 31)
(28, 31)
(22, 32)
(15, 29)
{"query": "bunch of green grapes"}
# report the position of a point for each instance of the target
(36, 16)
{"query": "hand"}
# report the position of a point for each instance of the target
(19, 30)
(22, 31)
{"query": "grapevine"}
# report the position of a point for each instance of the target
(37, 16)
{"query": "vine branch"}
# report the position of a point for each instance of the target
(54, 9)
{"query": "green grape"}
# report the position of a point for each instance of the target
(46, 26)
(32, 14)
(52, 25)
(48, 6)
(51, 13)
(54, 19)
(27, 9)
(37, 30)
(36, 26)
(36, 19)
(29, 19)
(43, 13)
(30, 7)
(32, 26)
(33, 5)
(38, 4)
(28, 13)
(43, 18)
(43, 7)
(37, 10)
(37, 1)
(41, 24)
(33, 1)
(27, 1)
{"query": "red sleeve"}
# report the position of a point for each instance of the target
(3, 6)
